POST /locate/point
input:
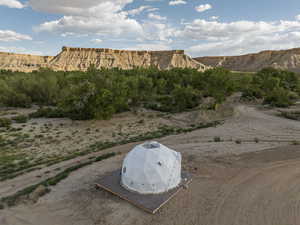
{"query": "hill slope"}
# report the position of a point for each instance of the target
(70, 59)
(283, 59)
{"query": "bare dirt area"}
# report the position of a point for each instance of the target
(235, 180)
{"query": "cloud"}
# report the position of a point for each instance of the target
(12, 4)
(214, 17)
(213, 30)
(240, 37)
(104, 17)
(78, 7)
(96, 41)
(139, 10)
(156, 16)
(83, 18)
(297, 17)
(20, 50)
(177, 2)
(152, 9)
(158, 31)
(9, 35)
(150, 47)
(202, 8)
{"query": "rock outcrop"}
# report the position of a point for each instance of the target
(22, 62)
(71, 59)
(283, 59)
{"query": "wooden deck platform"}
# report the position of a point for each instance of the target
(149, 202)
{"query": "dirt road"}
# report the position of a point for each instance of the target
(233, 184)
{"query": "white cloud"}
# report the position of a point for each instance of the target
(202, 8)
(177, 2)
(115, 25)
(157, 31)
(214, 17)
(9, 35)
(85, 8)
(152, 9)
(20, 50)
(212, 30)
(72, 34)
(97, 40)
(88, 17)
(240, 37)
(150, 47)
(297, 17)
(12, 4)
(139, 10)
(83, 18)
(156, 16)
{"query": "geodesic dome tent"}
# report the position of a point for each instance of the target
(151, 168)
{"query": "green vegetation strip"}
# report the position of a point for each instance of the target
(13, 199)
(291, 115)
(99, 94)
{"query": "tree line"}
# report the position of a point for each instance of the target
(101, 93)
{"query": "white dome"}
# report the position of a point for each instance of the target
(151, 168)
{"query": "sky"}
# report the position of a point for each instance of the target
(200, 27)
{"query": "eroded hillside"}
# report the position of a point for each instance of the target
(22, 62)
(283, 59)
(70, 59)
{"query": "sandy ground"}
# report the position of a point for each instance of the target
(232, 183)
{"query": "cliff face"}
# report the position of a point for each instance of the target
(283, 59)
(21, 62)
(70, 59)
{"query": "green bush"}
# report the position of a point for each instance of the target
(48, 112)
(217, 139)
(291, 115)
(5, 122)
(20, 119)
(238, 141)
(278, 97)
(276, 87)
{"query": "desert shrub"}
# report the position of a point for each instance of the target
(252, 93)
(291, 115)
(238, 141)
(277, 87)
(217, 139)
(85, 101)
(278, 97)
(48, 112)
(5, 122)
(14, 99)
(20, 119)
(296, 142)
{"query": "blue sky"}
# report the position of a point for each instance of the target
(201, 27)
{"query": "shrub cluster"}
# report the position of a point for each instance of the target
(20, 119)
(295, 115)
(5, 122)
(277, 87)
